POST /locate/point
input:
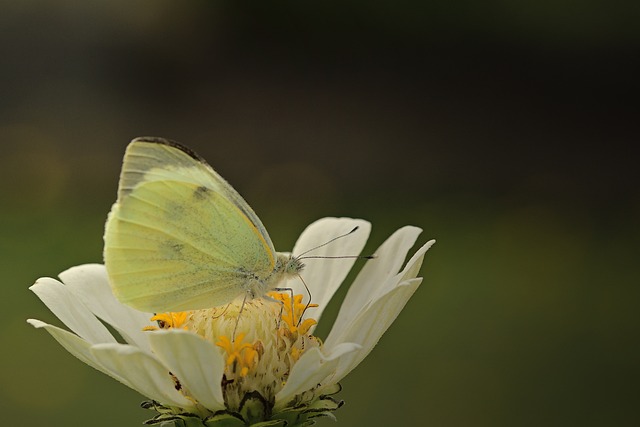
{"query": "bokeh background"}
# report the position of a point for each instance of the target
(507, 130)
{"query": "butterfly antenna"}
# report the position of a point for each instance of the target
(326, 243)
(340, 257)
(301, 256)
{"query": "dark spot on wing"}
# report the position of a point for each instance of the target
(200, 193)
(171, 249)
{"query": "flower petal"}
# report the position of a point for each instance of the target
(369, 326)
(122, 362)
(410, 271)
(323, 276)
(140, 371)
(389, 259)
(313, 368)
(71, 342)
(90, 283)
(195, 362)
(341, 326)
(71, 310)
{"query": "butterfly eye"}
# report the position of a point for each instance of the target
(294, 266)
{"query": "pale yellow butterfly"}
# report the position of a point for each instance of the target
(179, 237)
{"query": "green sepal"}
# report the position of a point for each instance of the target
(224, 419)
(254, 412)
(331, 390)
(165, 420)
(271, 423)
(254, 408)
(302, 415)
(168, 417)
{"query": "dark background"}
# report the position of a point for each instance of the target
(506, 129)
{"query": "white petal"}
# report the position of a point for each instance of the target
(96, 356)
(71, 342)
(389, 259)
(410, 271)
(195, 362)
(73, 313)
(369, 326)
(90, 283)
(324, 276)
(313, 368)
(140, 371)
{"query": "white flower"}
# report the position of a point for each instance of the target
(274, 369)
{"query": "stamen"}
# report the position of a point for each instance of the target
(239, 355)
(170, 320)
(293, 320)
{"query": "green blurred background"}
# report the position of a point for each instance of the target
(507, 130)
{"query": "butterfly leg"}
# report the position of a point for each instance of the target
(290, 290)
(235, 328)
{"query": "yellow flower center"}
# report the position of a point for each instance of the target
(270, 337)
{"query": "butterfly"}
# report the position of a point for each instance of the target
(179, 237)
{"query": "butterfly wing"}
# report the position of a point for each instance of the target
(180, 237)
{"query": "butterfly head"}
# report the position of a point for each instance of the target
(290, 265)
(293, 266)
